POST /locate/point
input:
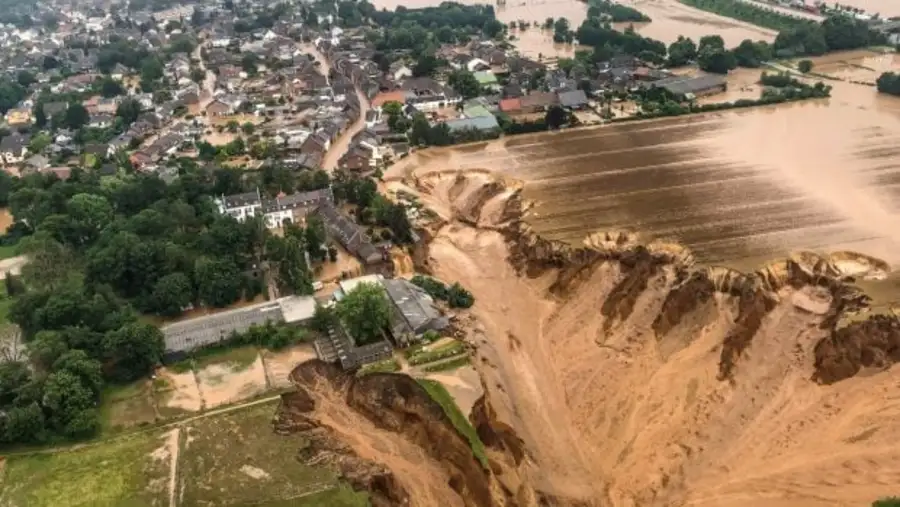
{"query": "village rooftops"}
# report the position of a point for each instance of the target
(416, 306)
(686, 85)
(298, 200)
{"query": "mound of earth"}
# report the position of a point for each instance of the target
(387, 436)
(620, 373)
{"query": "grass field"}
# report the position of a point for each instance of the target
(341, 496)
(7, 251)
(237, 459)
(451, 364)
(428, 356)
(237, 358)
(387, 366)
(126, 406)
(122, 473)
(439, 394)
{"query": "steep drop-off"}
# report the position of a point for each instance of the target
(620, 373)
(387, 436)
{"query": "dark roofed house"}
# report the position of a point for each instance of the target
(686, 87)
(537, 102)
(414, 310)
(349, 234)
(575, 99)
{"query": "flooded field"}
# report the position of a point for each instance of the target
(670, 19)
(738, 188)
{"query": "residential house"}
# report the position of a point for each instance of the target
(13, 148)
(687, 87)
(275, 211)
(219, 108)
(573, 100)
(350, 234)
(101, 120)
(485, 124)
(19, 116)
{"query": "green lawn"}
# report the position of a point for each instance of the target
(122, 473)
(237, 459)
(439, 394)
(127, 405)
(387, 366)
(7, 251)
(342, 496)
(442, 352)
(448, 365)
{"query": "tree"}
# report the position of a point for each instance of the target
(218, 282)
(464, 83)
(419, 136)
(40, 117)
(111, 88)
(133, 350)
(716, 60)
(458, 297)
(26, 78)
(172, 294)
(314, 237)
(248, 128)
(805, 66)
(292, 269)
(76, 116)
(752, 54)
(682, 52)
(129, 110)
(248, 63)
(365, 312)
(708, 42)
(889, 82)
(86, 369)
(151, 70)
(426, 65)
(198, 75)
(70, 404)
(90, 213)
(39, 142)
(556, 117)
(46, 347)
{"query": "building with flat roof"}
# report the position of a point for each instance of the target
(187, 335)
(687, 87)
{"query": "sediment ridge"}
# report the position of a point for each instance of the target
(621, 372)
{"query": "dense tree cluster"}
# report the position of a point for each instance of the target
(599, 34)
(102, 252)
(372, 208)
(748, 12)
(455, 295)
(836, 33)
(889, 83)
(615, 12)
(423, 30)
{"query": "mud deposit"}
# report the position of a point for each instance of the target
(737, 188)
(385, 435)
(622, 373)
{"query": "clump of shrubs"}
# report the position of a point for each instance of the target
(455, 295)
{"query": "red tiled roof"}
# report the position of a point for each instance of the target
(510, 105)
(384, 97)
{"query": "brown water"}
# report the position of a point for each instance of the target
(670, 19)
(738, 188)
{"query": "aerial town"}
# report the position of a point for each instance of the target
(515, 253)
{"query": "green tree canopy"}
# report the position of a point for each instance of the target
(365, 312)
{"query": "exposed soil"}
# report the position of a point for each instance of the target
(386, 435)
(184, 393)
(279, 364)
(220, 384)
(619, 373)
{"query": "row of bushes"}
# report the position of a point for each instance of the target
(768, 97)
(436, 355)
(455, 295)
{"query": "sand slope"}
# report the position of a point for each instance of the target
(612, 414)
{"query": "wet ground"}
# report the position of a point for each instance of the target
(739, 188)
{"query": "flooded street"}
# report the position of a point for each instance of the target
(738, 188)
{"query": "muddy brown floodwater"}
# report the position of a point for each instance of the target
(670, 19)
(737, 188)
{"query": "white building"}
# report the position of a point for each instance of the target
(274, 211)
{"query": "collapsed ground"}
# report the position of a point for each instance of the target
(632, 378)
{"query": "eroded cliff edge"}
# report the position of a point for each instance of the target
(386, 436)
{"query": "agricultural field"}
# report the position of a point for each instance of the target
(237, 459)
(229, 459)
(127, 472)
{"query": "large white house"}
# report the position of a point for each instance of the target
(275, 211)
